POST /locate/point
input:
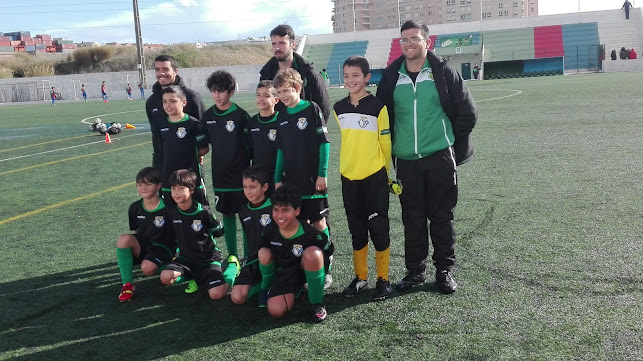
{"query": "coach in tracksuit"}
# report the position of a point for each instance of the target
(431, 115)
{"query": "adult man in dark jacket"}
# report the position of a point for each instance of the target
(167, 74)
(283, 47)
(431, 115)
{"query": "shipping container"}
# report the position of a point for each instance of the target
(47, 42)
(27, 43)
(40, 46)
(20, 49)
(51, 49)
(4, 38)
(5, 43)
(15, 43)
(6, 49)
(44, 36)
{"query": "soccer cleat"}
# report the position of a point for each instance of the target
(328, 281)
(233, 259)
(192, 287)
(263, 299)
(412, 279)
(127, 292)
(354, 287)
(382, 289)
(319, 312)
(446, 283)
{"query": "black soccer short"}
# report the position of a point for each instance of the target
(287, 280)
(229, 202)
(250, 274)
(207, 276)
(314, 209)
(156, 254)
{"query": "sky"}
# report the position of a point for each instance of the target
(175, 21)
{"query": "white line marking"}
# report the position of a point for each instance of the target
(517, 92)
(103, 115)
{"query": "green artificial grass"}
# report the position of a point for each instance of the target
(548, 222)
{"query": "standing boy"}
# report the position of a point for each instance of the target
(103, 91)
(183, 142)
(53, 95)
(256, 219)
(262, 130)
(225, 123)
(364, 162)
(140, 87)
(129, 92)
(152, 244)
(293, 255)
(195, 227)
(82, 89)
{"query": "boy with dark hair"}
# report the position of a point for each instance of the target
(152, 244)
(364, 162)
(53, 95)
(225, 124)
(195, 227)
(128, 90)
(183, 141)
(103, 91)
(262, 130)
(142, 89)
(256, 219)
(82, 89)
(291, 256)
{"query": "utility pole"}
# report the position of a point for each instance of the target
(140, 62)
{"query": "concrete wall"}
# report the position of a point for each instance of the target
(37, 88)
(622, 64)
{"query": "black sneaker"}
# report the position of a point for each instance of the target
(446, 283)
(382, 289)
(319, 312)
(354, 287)
(412, 279)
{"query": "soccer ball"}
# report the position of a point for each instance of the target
(101, 127)
(94, 126)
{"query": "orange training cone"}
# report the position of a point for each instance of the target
(107, 138)
(129, 126)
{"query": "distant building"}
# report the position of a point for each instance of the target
(358, 15)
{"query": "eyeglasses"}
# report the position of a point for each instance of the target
(413, 40)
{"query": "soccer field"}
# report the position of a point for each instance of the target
(549, 243)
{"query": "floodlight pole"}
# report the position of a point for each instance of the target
(140, 61)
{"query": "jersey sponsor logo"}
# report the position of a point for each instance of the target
(265, 219)
(229, 125)
(373, 216)
(246, 219)
(363, 121)
(276, 243)
(211, 122)
(297, 250)
(165, 129)
(197, 225)
(302, 123)
(181, 132)
(159, 221)
(214, 282)
(272, 134)
(155, 110)
(283, 123)
(140, 217)
(255, 129)
(178, 221)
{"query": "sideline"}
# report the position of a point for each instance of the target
(64, 203)
(67, 159)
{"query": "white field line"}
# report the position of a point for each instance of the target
(517, 92)
(103, 115)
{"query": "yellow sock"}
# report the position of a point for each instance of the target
(382, 263)
(360, 259)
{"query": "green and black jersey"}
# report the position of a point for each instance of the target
(230, 156)
(195, 230)
(255, 222)
(151, 225)
(288, 251)
(303, 148)
(262, 141)
(181, 141)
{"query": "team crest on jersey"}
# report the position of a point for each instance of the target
(265, 219)
(297, 250)
(302, 123)
(229, 125)
(197, 225)
(363, 121)
(272, 134)
(181, 132)
(159, 221)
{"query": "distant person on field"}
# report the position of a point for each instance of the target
(632, 54)
(140, 87)
(152, 244)
(128, 89)
(225, 125)
(52, 93)
(364, 162)
(82, 89)
(627, 5)
(195, 226)
(167, 74)
(613, 54)
(283, 47)
(324, 76)
(476, 71)
(103, 91)
(624, 53)
(262, 130)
